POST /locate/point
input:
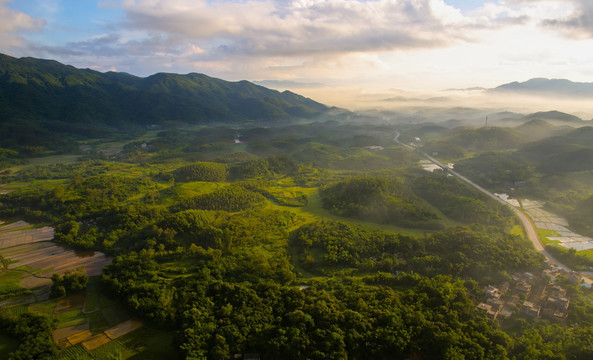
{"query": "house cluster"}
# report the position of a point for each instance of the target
(553, 271)
(548, 301)
(494, 305)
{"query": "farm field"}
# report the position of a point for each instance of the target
(557, 226)
(106, 332)
(31, 258)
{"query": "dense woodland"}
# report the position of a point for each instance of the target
(322, 240)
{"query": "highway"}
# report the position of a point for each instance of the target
(527, 224)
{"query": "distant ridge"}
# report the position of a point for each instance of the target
(554, 115)
(548, 87)
(46, 90)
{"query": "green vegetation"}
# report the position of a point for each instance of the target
(232, 198)
(71, 282)
(7, 346)
(498, 171)
(201, 171)
(378, 199)
(321, 240)
(580, 261)
(484, 254)
(51, 100)
(459, 201)
(11, 290)
(33, 333)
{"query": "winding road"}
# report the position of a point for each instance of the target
(527, 224)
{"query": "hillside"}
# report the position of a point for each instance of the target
(565, 153)
(537, 129)
(554, 116)
(48, 91)
(547, 87)
(484, 139)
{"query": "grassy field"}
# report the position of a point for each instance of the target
(45, 307)
(10, 277)
(71, 318)
(587, 253)
(196, 188)
(543, 235)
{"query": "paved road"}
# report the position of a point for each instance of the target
(527, 224)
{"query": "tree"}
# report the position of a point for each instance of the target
(71, 282)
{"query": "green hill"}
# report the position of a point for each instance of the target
(47, 91)
(538, 129)
(486, 139)
(572, 151)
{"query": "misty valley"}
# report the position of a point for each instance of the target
(186, 217)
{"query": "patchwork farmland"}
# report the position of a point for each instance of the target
(30, 257)
(31, 251)
(90, 325)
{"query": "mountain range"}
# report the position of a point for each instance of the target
(46, 90)
(547, 87)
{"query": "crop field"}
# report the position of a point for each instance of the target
(76, 352)
(14, 310)
(72, 302)
(29, 250)
(71, 318)
(79, 337)
(65, 333)
(20, 233)
(95, 341)
(43, 307)
(110, 350)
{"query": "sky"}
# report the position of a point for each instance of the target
(371, 47)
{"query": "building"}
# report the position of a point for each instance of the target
(493, 292)
(523, 287)
(491, 311)
(531, 309)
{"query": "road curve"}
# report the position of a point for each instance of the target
(527, 224)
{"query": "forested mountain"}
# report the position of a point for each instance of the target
(46, 90)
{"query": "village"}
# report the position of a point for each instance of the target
(535, 296)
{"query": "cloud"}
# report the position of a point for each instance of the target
(300, 27)
(354, 43)
(579, 23)
(13, 23)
